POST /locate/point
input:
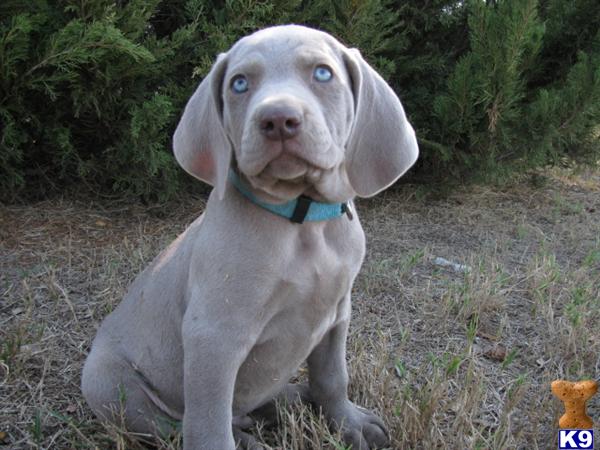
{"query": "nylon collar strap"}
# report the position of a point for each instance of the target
(301, 209)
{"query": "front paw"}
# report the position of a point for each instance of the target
(360, 428)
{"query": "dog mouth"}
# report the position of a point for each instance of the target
(281, 171)
(287, 160)
(286, 177)
(288, 168)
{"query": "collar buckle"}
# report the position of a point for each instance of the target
(347, 209)
(301, 209)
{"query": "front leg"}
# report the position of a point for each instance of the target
(213, 354)
(328, 380)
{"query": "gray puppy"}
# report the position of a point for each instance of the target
(289, 126)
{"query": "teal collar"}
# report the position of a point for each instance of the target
(299, 210)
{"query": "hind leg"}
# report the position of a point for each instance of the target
(113, 390)
(289, 395)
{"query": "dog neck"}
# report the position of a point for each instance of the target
(298, 210)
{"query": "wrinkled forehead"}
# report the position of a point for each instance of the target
(283, 47)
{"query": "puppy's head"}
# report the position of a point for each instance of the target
(301, 114)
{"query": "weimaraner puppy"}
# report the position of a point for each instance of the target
(289, 126)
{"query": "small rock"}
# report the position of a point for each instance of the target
(443, 262)
(541, 362)
(71, 408)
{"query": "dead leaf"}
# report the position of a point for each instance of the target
(488, 336)
(3, 436)
(496, 353)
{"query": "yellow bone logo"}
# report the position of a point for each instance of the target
(574, 396)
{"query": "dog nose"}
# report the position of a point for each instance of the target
(280, 122)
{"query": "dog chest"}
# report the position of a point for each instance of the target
(305, 302)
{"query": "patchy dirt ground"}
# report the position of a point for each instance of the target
(451, 357)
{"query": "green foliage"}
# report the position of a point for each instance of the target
(499, 113)
(564, 117)
(478, 114)
(91, 91)
(72, 82)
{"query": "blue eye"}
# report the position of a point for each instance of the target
(322, 74)
(239, 84)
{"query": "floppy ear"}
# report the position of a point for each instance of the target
(200, 144)
(382, 144)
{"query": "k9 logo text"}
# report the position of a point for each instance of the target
(576, 439)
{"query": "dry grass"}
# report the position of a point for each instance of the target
(458, 360)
